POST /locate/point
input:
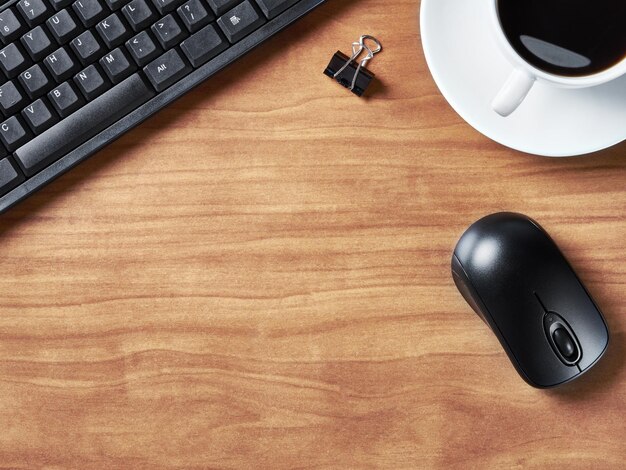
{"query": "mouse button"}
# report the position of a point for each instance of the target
(593, 339)
(522, 333)
(548, 369)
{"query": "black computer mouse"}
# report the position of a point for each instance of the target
(515, 277)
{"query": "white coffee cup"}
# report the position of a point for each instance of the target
(524, 75)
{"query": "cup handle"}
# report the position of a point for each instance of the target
(513, 92)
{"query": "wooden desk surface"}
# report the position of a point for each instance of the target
(258, 277)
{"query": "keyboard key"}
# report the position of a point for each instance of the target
(272, 8)
(10, 26)
(90, 82)
(81, 126)
(12, 61)
(33, 11)
(165, 6)
(168, 32)
(13, 134)
(60, 4)
(10, 99)
(35, 81)
(194, 15)
(203, 45)
(116, 65)
(38, 116)
(86, 47)
(37, 43)
(240, 21)
(112, 31)
(115, 4)
(166, 70)
(142, 48)
(9, 177)
(64, 99)
(89, 12)
(222, 6)
(138, 14)
(62, 26)
(61, 65)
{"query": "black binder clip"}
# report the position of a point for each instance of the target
(350, 73)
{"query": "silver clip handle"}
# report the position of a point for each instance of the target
(357, 49)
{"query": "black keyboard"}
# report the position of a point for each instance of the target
(77, 74)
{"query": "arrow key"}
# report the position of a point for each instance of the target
(142, 48)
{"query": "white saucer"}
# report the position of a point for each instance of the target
(469, 69)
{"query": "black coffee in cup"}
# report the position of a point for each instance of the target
(566, 37)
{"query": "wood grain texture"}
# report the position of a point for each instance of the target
(258, 277)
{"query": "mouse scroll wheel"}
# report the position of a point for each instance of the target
(564, 343)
